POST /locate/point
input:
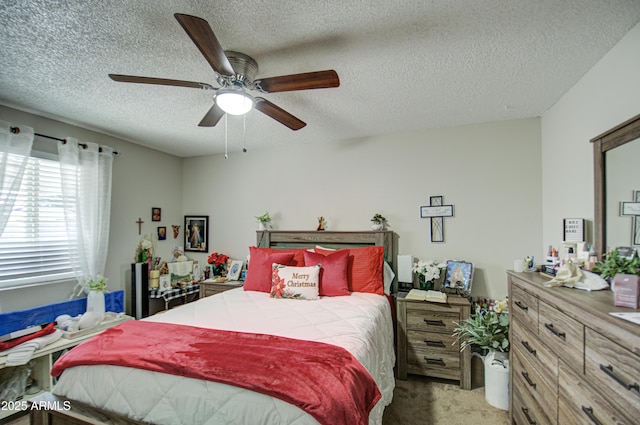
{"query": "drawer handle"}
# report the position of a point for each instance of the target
(589, 412)
(431, 360)
(555, 331)
(532, 384)
(434, 342)
(609, 371)
(434, 322)
(522, 306)
(528, 347)
(526, 414)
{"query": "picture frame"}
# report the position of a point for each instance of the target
(573, 229)
(162, 233)
(235, 269)
(196, 233)
(459, 276)
(164, 283)
(156, 214)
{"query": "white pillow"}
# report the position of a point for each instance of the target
(300, 283)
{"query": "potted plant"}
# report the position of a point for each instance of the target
(488, 329)
(263, 221)
(95, 287)
(614, 264)
(378, 222)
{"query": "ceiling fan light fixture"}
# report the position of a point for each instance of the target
(234, 102)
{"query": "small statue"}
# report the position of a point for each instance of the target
(321, 223)
(176, 230)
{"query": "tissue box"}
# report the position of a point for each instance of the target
(625, 290)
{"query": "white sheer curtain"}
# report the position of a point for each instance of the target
(86, 190)
(14, 154)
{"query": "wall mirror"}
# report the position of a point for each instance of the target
(616, 156)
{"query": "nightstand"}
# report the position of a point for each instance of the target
(426, 345)
(209, 287)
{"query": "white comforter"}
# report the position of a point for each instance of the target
(360, 323)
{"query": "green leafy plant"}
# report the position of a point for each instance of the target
(614, 263)
(488, 329)
(378, 218)
(264, 218)
(97, 283)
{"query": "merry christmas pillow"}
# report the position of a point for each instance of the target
(299, 283)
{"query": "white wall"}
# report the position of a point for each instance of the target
(489, 172)
(606, 96)
(142, 178)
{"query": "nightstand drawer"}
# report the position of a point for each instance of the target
(562, 334)
(430, 342)
(524, 306)
(616, 371)
(582, 404)
(438, 319)
(212, 288)
(441, 364)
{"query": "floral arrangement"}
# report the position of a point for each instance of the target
(487, 327)
(144, 250)
(430, 270)
(218, 263)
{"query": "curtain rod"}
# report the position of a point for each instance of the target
(16, 130)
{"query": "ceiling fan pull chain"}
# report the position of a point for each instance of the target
(226, 156)
(244, 133)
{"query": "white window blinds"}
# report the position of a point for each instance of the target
(34, 246)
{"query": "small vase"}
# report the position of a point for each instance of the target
(377, 226)
(95, 302)
(424, 284)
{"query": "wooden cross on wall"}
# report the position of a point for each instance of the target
(139, 225)
(436, 211)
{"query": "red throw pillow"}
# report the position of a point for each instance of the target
(259, 270)
(365, 271)
(333, 274)
(298, 254)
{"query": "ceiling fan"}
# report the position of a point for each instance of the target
(236, 74)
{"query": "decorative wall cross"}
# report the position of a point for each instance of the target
(436, 211)
(632, 209)
(139, 225)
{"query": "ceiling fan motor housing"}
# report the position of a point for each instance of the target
(245, 67)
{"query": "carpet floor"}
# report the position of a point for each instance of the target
(425, 401)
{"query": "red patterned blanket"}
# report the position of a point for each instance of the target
(324, 380)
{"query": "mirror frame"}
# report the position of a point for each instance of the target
(611, 139)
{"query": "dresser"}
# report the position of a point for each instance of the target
(426, 345)
(571, 361)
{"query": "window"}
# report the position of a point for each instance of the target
(35, 244)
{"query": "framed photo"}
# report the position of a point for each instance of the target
(156, 214)
(162, 233)
(235, 269)
(573, 229)
(458, 276)
(196, 233)
(165, 283)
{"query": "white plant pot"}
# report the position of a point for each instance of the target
(95, 302)
(377, 226)
(496, 379)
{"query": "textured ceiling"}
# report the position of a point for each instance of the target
(403, 64)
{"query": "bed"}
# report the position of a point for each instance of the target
(356, 329)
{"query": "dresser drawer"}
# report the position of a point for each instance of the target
(527, 378)
(437, 318)
(534, 353)
(525, 410)
(562, 334)
(524, 306)
(615, 369)
(581, 404)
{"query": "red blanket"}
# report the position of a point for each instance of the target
(324, 380)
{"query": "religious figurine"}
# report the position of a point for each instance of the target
(176, 230)
(321, 223)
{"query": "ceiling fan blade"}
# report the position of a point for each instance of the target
(159, 81)
(305, 81)
(202, 35)
(212, 117)
(278, 114)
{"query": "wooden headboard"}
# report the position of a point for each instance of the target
(283, 239)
